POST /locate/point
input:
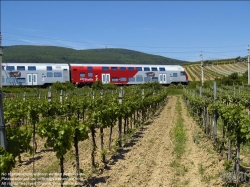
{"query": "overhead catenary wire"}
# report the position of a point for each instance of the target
(198, 47)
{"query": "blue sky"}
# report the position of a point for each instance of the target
(174, 29)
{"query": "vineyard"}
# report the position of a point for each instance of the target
(128, 136)
(212, 72)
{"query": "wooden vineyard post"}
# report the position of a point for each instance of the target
(215, 114)
(24, 96)
(120, 120)
(102, 134)
(61, 96)
(49, 94)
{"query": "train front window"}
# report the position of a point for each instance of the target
(183, 73)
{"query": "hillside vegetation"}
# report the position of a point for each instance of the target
(212, 72)
(52, 54)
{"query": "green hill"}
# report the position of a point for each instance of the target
(52, 54)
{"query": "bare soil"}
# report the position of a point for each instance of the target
(145, 160)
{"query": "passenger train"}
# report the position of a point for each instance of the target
(34, 74)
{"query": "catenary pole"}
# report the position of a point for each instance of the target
(248, 56)
(3, 140)
(202, 72)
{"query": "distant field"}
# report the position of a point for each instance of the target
(214, 71)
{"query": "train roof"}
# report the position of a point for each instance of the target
(169, 67)
(33, 64)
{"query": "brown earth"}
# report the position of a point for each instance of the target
(146, 160)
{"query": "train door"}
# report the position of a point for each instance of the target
(65, 75)
(163, 78)
(105, 78)
(32, 79)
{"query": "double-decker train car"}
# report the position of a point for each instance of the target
(34, 74)
(122, 74)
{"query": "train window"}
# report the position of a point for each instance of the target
(49, 74)
(174, 74)
(139, 68)
(114, 79)
(147, 79)
(10, 68)
(131, 68)
(162, 69)
(49, 68)
(31, 68)
(105, 68)
(90, 68)
(139, 78)
(82, 74)
(10, 80)
(183, 73)
(122, 68)
(155, 79)
(20, 68)
(123, 79)
(131, 79)
(20, 80)
(90, 74)
(2, 67)
(114, 68)
(57, 74)
(146, 69)
(2, 79)
(154, 69)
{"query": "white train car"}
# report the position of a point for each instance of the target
(34, 74)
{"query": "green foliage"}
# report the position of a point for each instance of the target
(151, 85)
(63, 86)
(98, 85)
(52, 54)
(110, 86)
(18, 140)
(7, 161)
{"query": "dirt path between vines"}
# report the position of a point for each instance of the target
(146, 160)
